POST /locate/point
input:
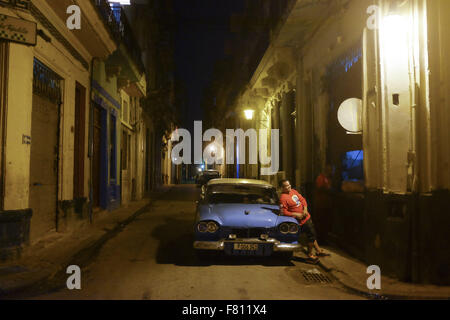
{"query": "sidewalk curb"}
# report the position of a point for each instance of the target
(346, 281)
(80, 257)
(351, 288)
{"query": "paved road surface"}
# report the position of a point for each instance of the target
(152, 258)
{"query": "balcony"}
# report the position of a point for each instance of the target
(121, 30)
(17, 4)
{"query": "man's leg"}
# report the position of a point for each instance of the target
(313, 238)
(319, 250)
(310, 234)
(310, 250)
(316, 246)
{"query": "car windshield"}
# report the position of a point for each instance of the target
(244, 194)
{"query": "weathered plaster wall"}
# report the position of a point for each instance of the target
(109, 84)
(20, 92)
(439, 107)
(17, 162)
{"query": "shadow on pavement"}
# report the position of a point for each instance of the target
(175, 238)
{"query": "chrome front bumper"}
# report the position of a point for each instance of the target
(220, 245)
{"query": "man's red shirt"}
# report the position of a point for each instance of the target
(293, 202)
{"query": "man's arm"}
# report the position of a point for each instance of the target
(304, 204)
(286, 212)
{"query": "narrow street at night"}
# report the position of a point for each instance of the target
(224, 150)
(152, 258)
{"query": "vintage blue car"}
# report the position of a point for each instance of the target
(242, 217)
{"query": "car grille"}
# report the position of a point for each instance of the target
(249, 232)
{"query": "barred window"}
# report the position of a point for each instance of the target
(46, 82)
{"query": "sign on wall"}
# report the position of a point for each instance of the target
(17, 30)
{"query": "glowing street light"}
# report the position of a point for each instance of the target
(249, 114)
(395, 43)
(212, 148)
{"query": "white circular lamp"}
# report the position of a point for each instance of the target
(350, 115)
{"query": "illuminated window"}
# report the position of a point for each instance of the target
(352, 166)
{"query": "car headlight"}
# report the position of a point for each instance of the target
(293, 228)
(202, 227)
(212, 227)
(205, 226)
(264, 236)
(286, 228)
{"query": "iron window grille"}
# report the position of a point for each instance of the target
(46, 82)
(115, 19)
(19, 4)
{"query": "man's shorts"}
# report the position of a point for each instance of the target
(308, 229)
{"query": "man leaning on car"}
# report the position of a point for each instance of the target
(294, 205)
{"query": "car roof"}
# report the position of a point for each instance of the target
(231, 181)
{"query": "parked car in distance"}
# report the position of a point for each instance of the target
(204, 176)
(242, 217)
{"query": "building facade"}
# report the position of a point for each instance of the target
(73, 135)
(391, 177)
(45, 169)
(118, 126)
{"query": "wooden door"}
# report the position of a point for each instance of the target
(96, 156)
(44, 165)
(80, 114)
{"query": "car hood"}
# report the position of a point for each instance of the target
(242, 215)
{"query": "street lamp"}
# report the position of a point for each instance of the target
(212, 149)
(249, 114)
(395, 46)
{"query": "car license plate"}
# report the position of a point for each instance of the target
(245, 246)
